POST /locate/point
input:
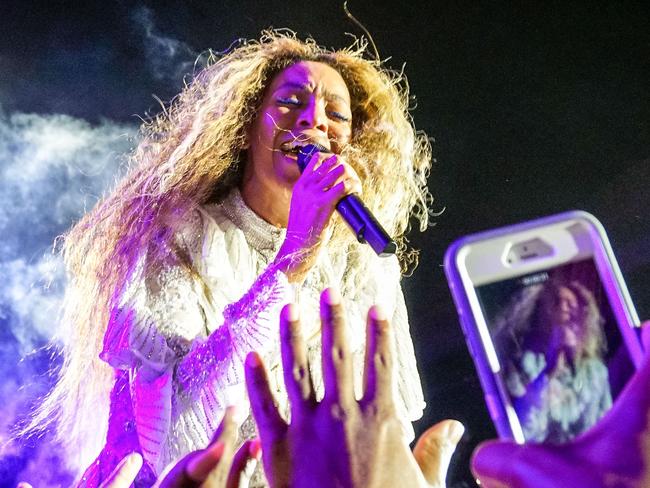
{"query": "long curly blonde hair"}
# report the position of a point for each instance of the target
(192, 153)
(526, 324)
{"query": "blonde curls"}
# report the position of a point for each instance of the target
(190, 154)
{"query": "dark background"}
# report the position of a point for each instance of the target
(535, 107)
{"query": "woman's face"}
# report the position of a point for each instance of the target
(566, 306)
(566, 319)
(306, 102)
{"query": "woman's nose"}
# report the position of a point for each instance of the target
(313, 116)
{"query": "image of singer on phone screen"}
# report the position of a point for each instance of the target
(560, 366)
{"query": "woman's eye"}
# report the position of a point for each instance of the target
(289, 101)
(340, 116)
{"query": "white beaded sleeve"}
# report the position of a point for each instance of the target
(182, 375)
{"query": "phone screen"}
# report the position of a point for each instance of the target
(562, 357)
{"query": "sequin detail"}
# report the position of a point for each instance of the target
(223, 354)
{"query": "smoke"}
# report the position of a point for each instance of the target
(168, 59)
(53, 168)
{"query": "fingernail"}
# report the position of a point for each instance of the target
(231, 411)
(291, 312)
(455, 431)
(202, 463)
(377, 313)
(216, 449)
(332, 296)
(134, 458)
(253, 360)
(255, 448)
(236, 414)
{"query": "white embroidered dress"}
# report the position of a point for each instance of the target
(183, 339)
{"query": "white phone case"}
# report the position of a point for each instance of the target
(540, 372)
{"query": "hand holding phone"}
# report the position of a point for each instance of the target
(613, 452)
(548, 321)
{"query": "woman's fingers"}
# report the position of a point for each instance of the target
(294, 360)
(331, 178)
(312, 163)
(324, 166)
(342, 173)
(325, 174)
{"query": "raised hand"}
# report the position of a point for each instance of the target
(124, 473)
(216, 466)
(339, 441)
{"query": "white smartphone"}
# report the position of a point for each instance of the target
(549, 323)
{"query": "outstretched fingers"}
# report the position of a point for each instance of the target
(268, 419)
(337, 361)
(378, 373)
(295, 364)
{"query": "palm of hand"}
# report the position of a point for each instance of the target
(350, 448)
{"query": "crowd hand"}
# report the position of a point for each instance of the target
(339, 441)
(121, 477)
(325, 180)
(615, 452)
(124, 473)
(217, 466)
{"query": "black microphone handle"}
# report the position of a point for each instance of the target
(355, 213)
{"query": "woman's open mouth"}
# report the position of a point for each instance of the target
(292, 148)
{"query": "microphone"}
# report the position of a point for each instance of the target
(354, 212)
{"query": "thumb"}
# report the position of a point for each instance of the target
(125, 472)
(501, 464)
(434, 449)
(493, 463)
